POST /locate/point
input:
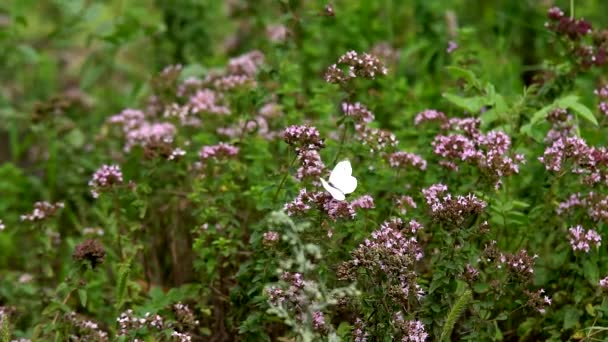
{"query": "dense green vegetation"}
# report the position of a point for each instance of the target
(161, 166)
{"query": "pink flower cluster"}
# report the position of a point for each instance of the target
(324, 202)
(602, 94)
(105, 178)
(595, 204)
(129, 119)
(129, 323)
(587, 53)
(451, 210)
(303, 137)
(277, 33)
(411, 331)
(592, 162)
(389, 255)
(207, 101)
(393, 242)
(405, 202)
(430, 115)
(538, 300)
(246, 64)
(377, 139)
(562, 125)
(318, 321)
(42, 210)
(270, 238)
(489, 152)
(352, 65)
(405, 159)
(583, 240)
(604, 283)
(363, 202)
(358, 112)
(311, 165)
(155, 138)
(359, 334)
(218, 152)
(260, 124)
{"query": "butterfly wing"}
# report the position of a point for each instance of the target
(342, 179)
(335, 193)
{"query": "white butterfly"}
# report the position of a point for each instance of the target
(341, 182)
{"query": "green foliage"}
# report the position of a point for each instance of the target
(221, 242)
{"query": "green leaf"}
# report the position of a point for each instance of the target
(121, 288)
(470, 104)
(540, 115)
(82, 295)
(571, 317)
(75, 138)
(467, 75)
(591, 272)
(579, 108)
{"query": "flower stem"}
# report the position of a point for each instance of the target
(342, 139)
(276, 194)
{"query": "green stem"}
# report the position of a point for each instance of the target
(571, 9)
(342, 139)
(276, 194)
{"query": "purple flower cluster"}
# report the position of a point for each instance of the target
(519, 265)
(246, 64)
(405, 202)
(276, 33)
(260, 124)
(359, 334)
(104, 179)
(270, 238)
(42, 210)
(352, 65)
(583, 240)
(604, 283)
(128, 322)
(363, 202)
(390, 255)
(562, 125)
(218, 152)
(574, 31)
(207, 101)
(156, 139)
(602, 94)
(82, 329)
(129, 119)
(451, 210)
(596, 205)
(410, 331)
(318, 321)
(589, 161)
(405, 159)
(294, 295)
(430, 115)
(538, 300)
(377, 139)
(303, 138)
(489, 152)
(323, 201)
(358, 112)
(311, 165)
